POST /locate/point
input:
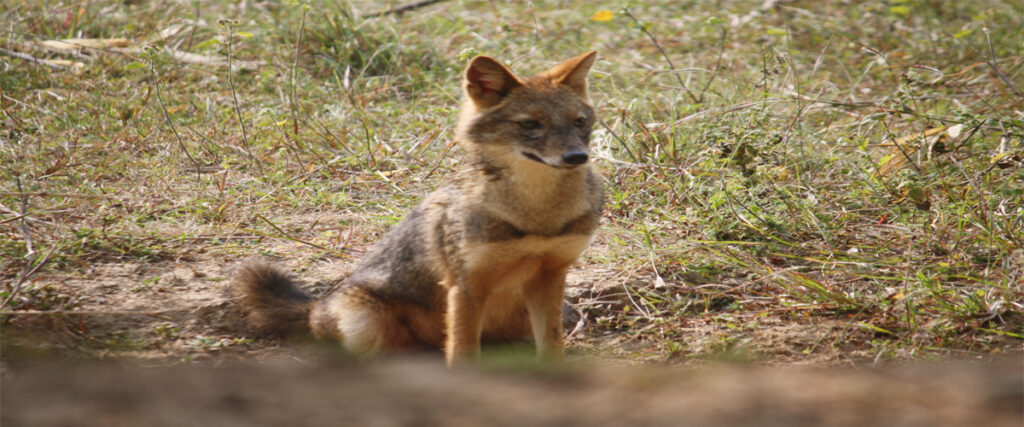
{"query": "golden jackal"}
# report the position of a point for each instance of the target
(483, 257)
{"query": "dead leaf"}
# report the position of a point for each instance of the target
(918, 147)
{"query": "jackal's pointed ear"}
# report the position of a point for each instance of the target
(573, 72)
(486, 81)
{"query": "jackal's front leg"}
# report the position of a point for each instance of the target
(544, 303)
(464, 322)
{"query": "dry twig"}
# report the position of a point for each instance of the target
(403, 8)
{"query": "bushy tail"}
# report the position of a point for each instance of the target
(271, 300)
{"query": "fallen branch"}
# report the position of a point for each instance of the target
(74, 44)
(60, 64)
(404, 8)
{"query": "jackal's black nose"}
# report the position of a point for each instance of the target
(575, 157)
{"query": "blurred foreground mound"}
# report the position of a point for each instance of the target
(423, 393)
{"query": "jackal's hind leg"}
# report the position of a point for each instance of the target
(361, 322)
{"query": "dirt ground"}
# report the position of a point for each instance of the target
(162, 344)
(178, 311)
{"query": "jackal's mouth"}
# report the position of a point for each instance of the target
(554, 164)
(534, 157)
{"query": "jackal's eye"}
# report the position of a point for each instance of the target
(580, 122)
(529, 124)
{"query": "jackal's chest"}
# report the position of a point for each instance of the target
(526, 253)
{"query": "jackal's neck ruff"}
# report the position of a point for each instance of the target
(527, 142)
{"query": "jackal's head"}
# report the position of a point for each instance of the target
(546, 118)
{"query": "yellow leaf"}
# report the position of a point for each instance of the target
(282, 122)
(602, 15)
(884, 160)
(962, 33)
(900, 10)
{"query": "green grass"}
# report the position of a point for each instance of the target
(745, 151)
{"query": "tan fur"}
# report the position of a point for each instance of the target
(485, 257)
